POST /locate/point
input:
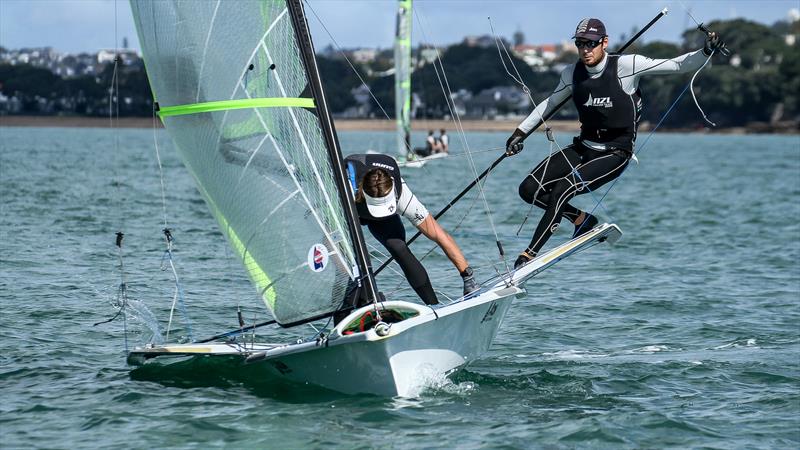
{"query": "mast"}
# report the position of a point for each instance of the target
(402, 76)
(306, 47)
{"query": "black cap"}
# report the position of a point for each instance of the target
(591, 29)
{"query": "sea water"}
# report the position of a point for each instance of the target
(686, 333)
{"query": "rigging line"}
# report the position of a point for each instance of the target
(178, 293)
(160, 167)
(503, 156)
(688, 87)
(518, 79)
(723, 51)
(349, 63)
(462, 135)
(113, 111)
(691, 89)
(374, 248)
(688, 12)
(454, 228)
(644, 144)
(122, 292)
(447, 93)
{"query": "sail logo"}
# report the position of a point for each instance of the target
(599, 101)
(318, 258)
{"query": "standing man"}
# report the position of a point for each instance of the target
(605, 90)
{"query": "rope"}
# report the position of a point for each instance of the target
(113, 111)
(691, 89)
(358, 74)
(177, 297)
(644, 144)
(462, 135)
(548, 131)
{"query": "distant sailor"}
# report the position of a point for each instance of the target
(431, 146)
(444, 141)
(605, 90)
(381, 197)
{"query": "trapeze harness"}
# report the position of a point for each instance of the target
(389, 231)
(609, 117)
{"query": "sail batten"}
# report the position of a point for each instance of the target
(205, 48)
(303, 141)
(328, 234)
(231, 83)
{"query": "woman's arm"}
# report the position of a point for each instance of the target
(412, 209)
(433, 231)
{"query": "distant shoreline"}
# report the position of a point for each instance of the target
(378, 125)
(340, 124)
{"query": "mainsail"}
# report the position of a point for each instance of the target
(232, 82)
(402, 76)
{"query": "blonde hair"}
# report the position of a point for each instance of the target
(375, 183)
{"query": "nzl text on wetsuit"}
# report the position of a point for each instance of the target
(608, 101)
(389, 231)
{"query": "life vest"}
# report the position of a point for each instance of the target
(607, 114)
(359, 165)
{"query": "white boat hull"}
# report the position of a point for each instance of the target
(401, 363)
(403, 358)
(413, 353)
(419, 162)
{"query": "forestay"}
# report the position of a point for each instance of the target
(234, 95)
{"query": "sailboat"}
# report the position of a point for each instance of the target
(238, 90)
(406, 156)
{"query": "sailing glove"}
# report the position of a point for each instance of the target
(514, 143)
(468, 276)
(713, 43)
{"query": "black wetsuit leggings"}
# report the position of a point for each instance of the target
(556, 184)
(391, 234)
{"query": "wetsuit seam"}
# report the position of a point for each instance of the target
(574, 187)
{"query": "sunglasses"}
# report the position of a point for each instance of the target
(587, 44)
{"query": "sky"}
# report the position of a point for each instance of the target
(73, 26)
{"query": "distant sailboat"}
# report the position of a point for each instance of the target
(406, 156)
(239, 92)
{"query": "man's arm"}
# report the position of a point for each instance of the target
(412, 209)
(637, 65)
(561, 92)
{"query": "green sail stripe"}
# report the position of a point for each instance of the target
(243, 103)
